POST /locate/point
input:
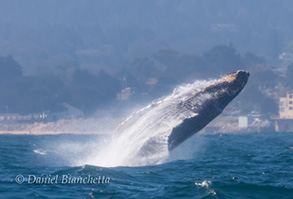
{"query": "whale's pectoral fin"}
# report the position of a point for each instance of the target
(186, 129)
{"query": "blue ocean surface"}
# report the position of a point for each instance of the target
(256, 165)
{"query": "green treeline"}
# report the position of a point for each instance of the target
(35, 94)
(89, 90)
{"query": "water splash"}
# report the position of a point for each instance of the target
(205, 183)
(143, 138)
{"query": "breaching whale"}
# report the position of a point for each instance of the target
(152, 132)
(220, 94)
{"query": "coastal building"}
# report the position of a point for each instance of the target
(284, 123)
(10, 118)
(286, 106)
(248, 120)
(125, 94)
(244, 121)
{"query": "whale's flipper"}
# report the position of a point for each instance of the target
(220, 94)
(165, 124)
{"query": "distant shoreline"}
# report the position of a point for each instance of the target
(99, 126)
(107, 126)
(109, 133)
(51, 133)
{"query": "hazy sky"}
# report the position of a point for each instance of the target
(42, 35)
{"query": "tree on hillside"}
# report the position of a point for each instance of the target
(289, 75)
(249, 59)
(26, 95)
(185, 67)
(268, 106)
(266, 78)
(144, 68)
(222, 59)
(89, 91)
(9, 68)
(166, 56)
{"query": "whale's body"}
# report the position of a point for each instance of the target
(151, 132)
(220, 94)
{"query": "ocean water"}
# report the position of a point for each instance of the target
(258, 165)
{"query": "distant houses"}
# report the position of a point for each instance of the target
(252, 122)
(286, 106)
(244, 121)
(70, 112)
(125, 94)
(17, 118)
(284, 123)
(281, 123)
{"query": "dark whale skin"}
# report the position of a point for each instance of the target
(221, 94)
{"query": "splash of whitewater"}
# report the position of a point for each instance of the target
(142, 139)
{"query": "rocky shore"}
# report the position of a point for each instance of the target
(73, 126)
(108, 125)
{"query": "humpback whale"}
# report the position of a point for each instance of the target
(152, 132)
(221, 93)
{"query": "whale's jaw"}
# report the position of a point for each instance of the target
(207, 104)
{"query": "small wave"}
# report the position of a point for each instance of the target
(205, 183)
(213, 192)
(40, 151)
